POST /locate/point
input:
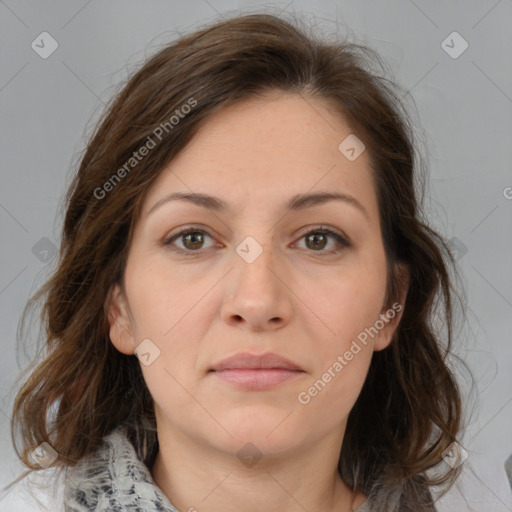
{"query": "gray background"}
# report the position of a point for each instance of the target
(464, 106)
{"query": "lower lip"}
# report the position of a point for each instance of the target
(257, 378)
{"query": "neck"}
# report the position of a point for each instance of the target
(202, 479)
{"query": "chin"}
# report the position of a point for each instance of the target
(256, 444)
(262, 426)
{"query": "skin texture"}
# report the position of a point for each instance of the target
(293, 299)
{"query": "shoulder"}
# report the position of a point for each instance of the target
(39, 491)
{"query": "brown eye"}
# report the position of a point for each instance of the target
(317, 240)
(192, 240)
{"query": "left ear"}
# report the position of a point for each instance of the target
(392, 314)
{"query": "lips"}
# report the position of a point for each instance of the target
(256, 372)
(256, 362)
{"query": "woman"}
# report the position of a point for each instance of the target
(241, 317)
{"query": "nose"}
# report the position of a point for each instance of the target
(257, 292)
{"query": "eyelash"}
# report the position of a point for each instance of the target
(342, 241)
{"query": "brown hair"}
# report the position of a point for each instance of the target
(409, 410)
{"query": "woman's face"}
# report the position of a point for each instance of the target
(257, 276)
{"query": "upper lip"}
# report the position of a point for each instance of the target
(254, 361)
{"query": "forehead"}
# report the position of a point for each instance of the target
(268, 149)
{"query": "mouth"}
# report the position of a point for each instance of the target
(256, 372)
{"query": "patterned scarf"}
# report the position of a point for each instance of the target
(114, 479)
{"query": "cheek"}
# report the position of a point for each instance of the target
(349, 306)
(163, 297)
(348, 303)
(330, 395)
(168, 313)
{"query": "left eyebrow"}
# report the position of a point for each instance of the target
(295, 203)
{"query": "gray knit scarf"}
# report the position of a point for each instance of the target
(115, 479)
